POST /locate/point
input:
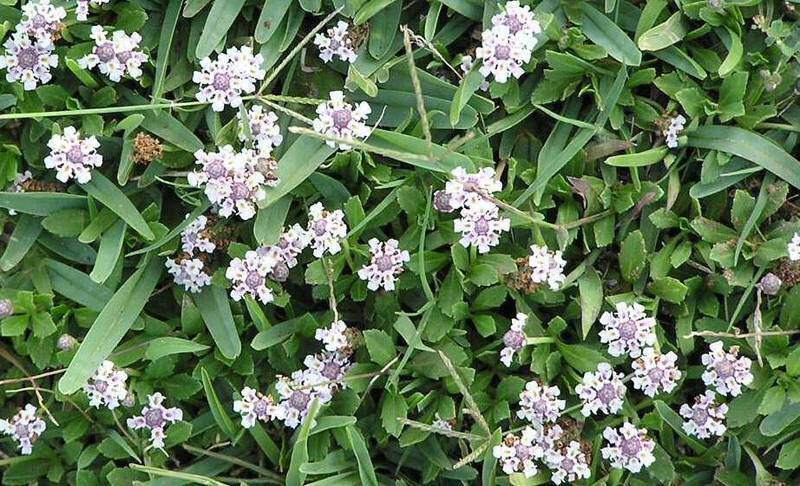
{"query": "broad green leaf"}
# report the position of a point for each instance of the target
(604, 32)
(299, 456)
(591, 291)
(77, 286)
(272, 13)
(168, 25)
(676, 422)
(168, 345)
(217, 410)
(111, 197)
(301, 160)
(109, 252)
(41, 203)
(664, 35)
(469, 85)
(640, 159)
(214, 307)
(219, 21)
(632, 256)
(22, 239)
(366, 470)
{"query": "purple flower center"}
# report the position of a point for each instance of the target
(280, 273)
(331, 370)
(154, 418)
(341, 118)
(260, 408)
(124, 56)
(21, 430)
(253, 280)
(384, 263)
(724, 369)
(523, 452)
(75, 155)
(627, 330)
(541, 407)
(100, 385)
(222, 81)
(513, 24)
(502, 52)
(656, 374)
(567, 464)
(700, 415)
(514, 339)
(299, 400)
(630, 447)
(441, 201)
(39, 21)
(607, 393)
(27, 58)
(215, 169)
(105, 52)
(319, 227)
(481, 227)
(239, 190)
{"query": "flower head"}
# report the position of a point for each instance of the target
(601, 391)
(673, 129)
(73, 157)
(465, 189)
(188, 272)
(540, 404)
(6, 308)
(627, 331)
(82, 9)
(517, 454)
(655, 373)
(330, 368)
(249, 276)
(255, 406)
(704, 418)
(336, 42)
(514, 339)
(547, 266)
(327, 229)
(195, 236)
(520, 22)
(726, 371)
(28, 60)
(503, 55)
(290, 245)
(156, 417)
(334, 338)
(65, 342)
(298, 393)
(385, 266)
(106, 387)
(224, 80)
(480, 226)
(794, 248)
(568, 464)
(340, 119)
(263, 127)
(439, 423)
(628, 448)
(115, 56)
(25, 427)
(41, 19)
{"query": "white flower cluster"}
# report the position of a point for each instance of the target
(547, 266)
(82, 8)
(196, 236)
(327, 229)
(333, 338)
(568, 463)
(73, 157)
(385, 266)
(339, 119)
(514, 339)
(601, 391)
(726, 370)
(25, 427)
(508, 45)
(255, 406)
(232, 181)
(106, 387)
(540, 404)
(793, 248)
(655, 373)
(518, 454)
(249, 276)
(224, 80)
(627, 331)
(673, 129)
(30, 49)
(291, 243)
(41, 19)
(156, 417)
(188, 270)
(264, 129)
(628, 448)
(335, 42)
(704, 418)
(115, 56)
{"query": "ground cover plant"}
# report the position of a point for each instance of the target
(400, 242)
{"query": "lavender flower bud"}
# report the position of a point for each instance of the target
(6, 308)
(65, 342)
(770, 284)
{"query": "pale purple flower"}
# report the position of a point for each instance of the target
(255, 406)
(568, 464)
(439, 423)
(628, 448)
(335, 42)
(675, 127)
(331, 368)
(195, 237)
(480, 226)
(116, 56)
(520, 22)
(73, 157)
(6, 308)
(540, 404)
(340, 119)
(41, 19)
(28, 60)
(704, 418)
(65, 342)
(106, 387)
(770, 284)
(327, 229)
(264, 128)
(189, 273)
(298, 393)
(627, 331)
(25, 427)
(334, 338)
(514, 339)
(82, 9)
(547, 266)
(249, 276)
(232, 181)
(601, 391)
(465, 189)
(385, 266)
(466, 65)
(290, 245)
(794, 248)
(655, 373)
(224, 80)
(156, 417)
(518, 454)
(726, 371)
(503, 55)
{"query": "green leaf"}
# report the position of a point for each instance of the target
(272, 13)
(301, 160)
(366, 471)
(664, 35)
(294, 477)
(165, 44)
(380, 346)
(789, 457)
(604, 32)
(80, 73)
(632, 256)
(735, 51)
(676, 422)
(774, 423)
(415, 151)
(66, 222)
(469, 85)
(41, 203)
(22, 239)
(111, 197)
(111, 325)
(669, 289)
(640, 159)
(748, 145)
(109, 252)
(582, 358)
(168, 345)
(218, 22)
(77, 286)
(214, 307)
(591, 293)
(217, 410)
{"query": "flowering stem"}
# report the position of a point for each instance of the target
(124, 432)
(274, 477)
(588, 219)
(541, 340)
(439, 430)
(8, 356)
(332, 296)
(34, 377)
